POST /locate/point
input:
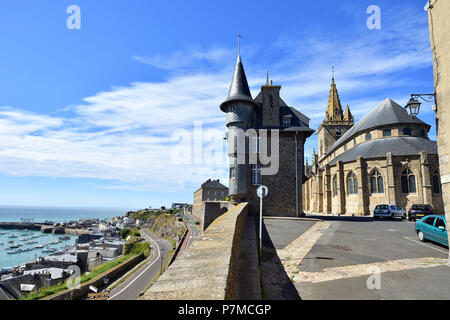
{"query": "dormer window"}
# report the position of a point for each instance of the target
(287, 120)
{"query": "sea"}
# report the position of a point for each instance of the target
(25, 238)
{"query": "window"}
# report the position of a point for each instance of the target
(286, 120)
(436, 180)
(256, 145)
(345, 147)
(376, 182)
(215, 195)
(233, 173)
(422, 133)
(256, 175)
(430, 220)
(354, 141)
(335, 186)
(368, 136)
(408, 180)
(407, 131)
(440, 223)
(207, 195)
(387, 133)
(352, 184)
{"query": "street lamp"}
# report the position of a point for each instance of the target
(413, 105)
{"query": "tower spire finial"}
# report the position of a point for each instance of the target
(239, 43)
(267, 81)
(332, 72)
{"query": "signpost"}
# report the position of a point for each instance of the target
(262, 193)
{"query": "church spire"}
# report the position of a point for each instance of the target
(348, 115)
(334, 110)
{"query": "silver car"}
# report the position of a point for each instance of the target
(389, 211)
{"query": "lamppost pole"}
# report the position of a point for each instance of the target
(162, 258)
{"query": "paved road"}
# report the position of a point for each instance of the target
(190, 221)
(141, 278)
(335, 265)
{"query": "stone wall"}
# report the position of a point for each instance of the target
(206, 270)
(440, 46)
(281, 200)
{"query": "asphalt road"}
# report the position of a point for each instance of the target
(141, 278)
(190, 221)
(352, 243)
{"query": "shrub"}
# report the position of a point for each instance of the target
(124, 233)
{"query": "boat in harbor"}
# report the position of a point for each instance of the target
(31, 242)
(64, 238)
(49, 250)
(13, 247)
(11, 241)
(41, 246)
(12, 236)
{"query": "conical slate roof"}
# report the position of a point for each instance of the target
(388, 112)
(239, 89)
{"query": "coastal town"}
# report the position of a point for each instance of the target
(308, 161)
(66, 251)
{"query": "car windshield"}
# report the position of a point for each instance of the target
(382, 207)
(418, 207)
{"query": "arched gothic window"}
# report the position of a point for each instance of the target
(352, 184)
(376, 182)
(408, 181)
(436, 180)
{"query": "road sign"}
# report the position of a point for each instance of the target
(262, 191)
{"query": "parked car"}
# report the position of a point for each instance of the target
(418, 211)
(433, 228)
(388, 211)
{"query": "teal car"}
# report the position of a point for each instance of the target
(432, 228)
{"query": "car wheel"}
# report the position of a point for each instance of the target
(421, 236)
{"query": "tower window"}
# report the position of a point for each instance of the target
(387, 133)
(256, 145)
(407, 131)
(286, 120)
(232, 173)
(335, 186)
(368, 136)
(256, 175)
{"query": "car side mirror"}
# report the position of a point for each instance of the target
(442, 228)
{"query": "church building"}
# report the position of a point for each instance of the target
(385, 158)
(267, 111)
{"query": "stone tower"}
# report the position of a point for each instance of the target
(240, 109)
(335, 124)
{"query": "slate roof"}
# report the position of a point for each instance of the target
(239, 89)
(213, 184)
(388, 112)
(299, 122)
(398, 146)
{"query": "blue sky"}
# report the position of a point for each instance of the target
(87, 116)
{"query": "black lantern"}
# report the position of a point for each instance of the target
(413, 107)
